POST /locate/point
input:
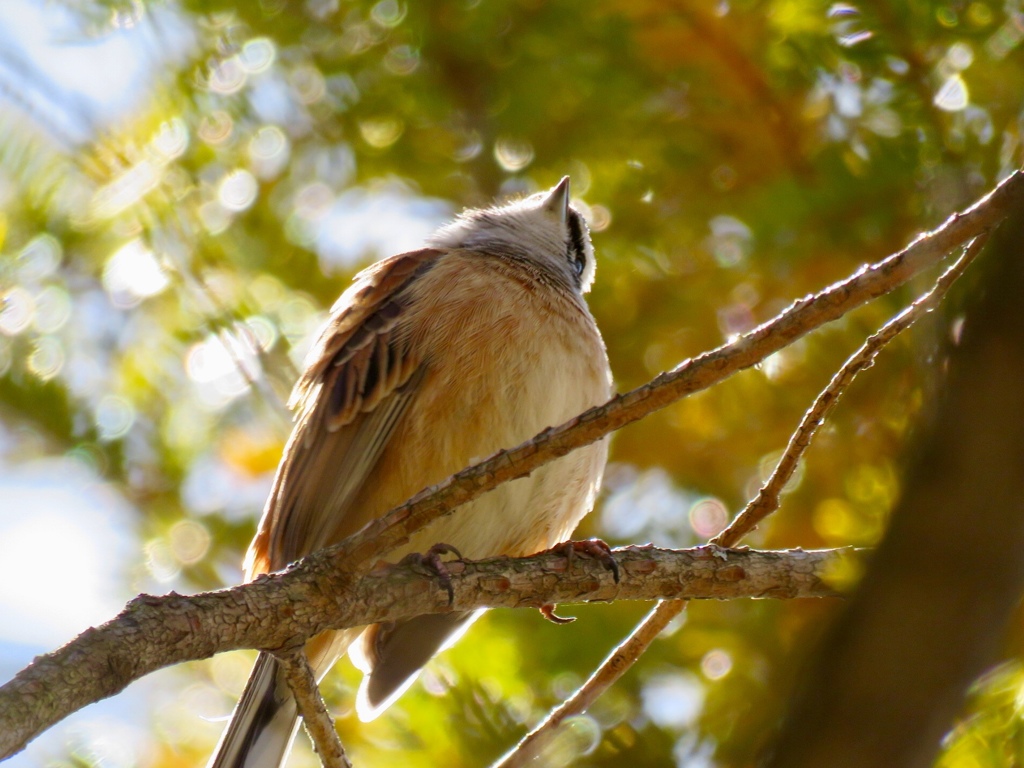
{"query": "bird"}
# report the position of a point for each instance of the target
(430, 361)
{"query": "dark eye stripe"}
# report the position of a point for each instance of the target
(577, 250)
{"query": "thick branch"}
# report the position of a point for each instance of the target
(933, 608)
(282, 610)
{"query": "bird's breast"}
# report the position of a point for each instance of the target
(506, 358)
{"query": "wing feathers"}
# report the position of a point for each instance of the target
(367, 311)
(359, 378)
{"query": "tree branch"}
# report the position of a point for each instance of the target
(282, 610)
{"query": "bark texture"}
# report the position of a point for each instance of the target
(280, 611)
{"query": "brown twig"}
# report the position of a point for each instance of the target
(625, 654)
(315, 717)
(766, 502)
(767, 499)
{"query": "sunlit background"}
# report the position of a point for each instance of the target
(186, 186)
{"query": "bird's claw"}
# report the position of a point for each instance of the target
(431, 559)
(595, 548)
(548, 612)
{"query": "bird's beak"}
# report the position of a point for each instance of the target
(558, 201)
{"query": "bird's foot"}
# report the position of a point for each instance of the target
(548, 612)
(431, 560)
(595, 548)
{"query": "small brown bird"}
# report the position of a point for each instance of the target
(429, 362)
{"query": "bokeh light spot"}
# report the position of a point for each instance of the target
(237, 190)
(979, 14)
(470, 146)
(381, 132)
(222, 365)
(53, 309)
(47, 358)
(257, 55)
(263, 330)
(132, 274)
(708, 517)
(952, 96)
(214, 216)
(716, 664)
(40, 258)
(600, 218)
(114, 417)
(513, 154)
(960, 56)
(161, 562)
(216, 127)
(835, 520)
(230, 672)
(946, 16)
(17, 308)
(402, 60)
(308, 84)
(189, 541)
(388, 13)
(673, 700)
(227, 76)
(730, 240)
(171, 140)
(268, 151)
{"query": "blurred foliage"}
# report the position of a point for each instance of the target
(162, 277)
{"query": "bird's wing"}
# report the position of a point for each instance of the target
(360, 377)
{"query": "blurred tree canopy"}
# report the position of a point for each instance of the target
(162, 271)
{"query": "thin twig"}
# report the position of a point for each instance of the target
(766, 502)
(612, 668)
(315, 717)
(767, 499)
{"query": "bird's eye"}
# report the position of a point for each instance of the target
(579, 264)
(576, 249)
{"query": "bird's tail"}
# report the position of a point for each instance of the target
(263, 724)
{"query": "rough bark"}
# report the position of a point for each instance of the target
(280, 611)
